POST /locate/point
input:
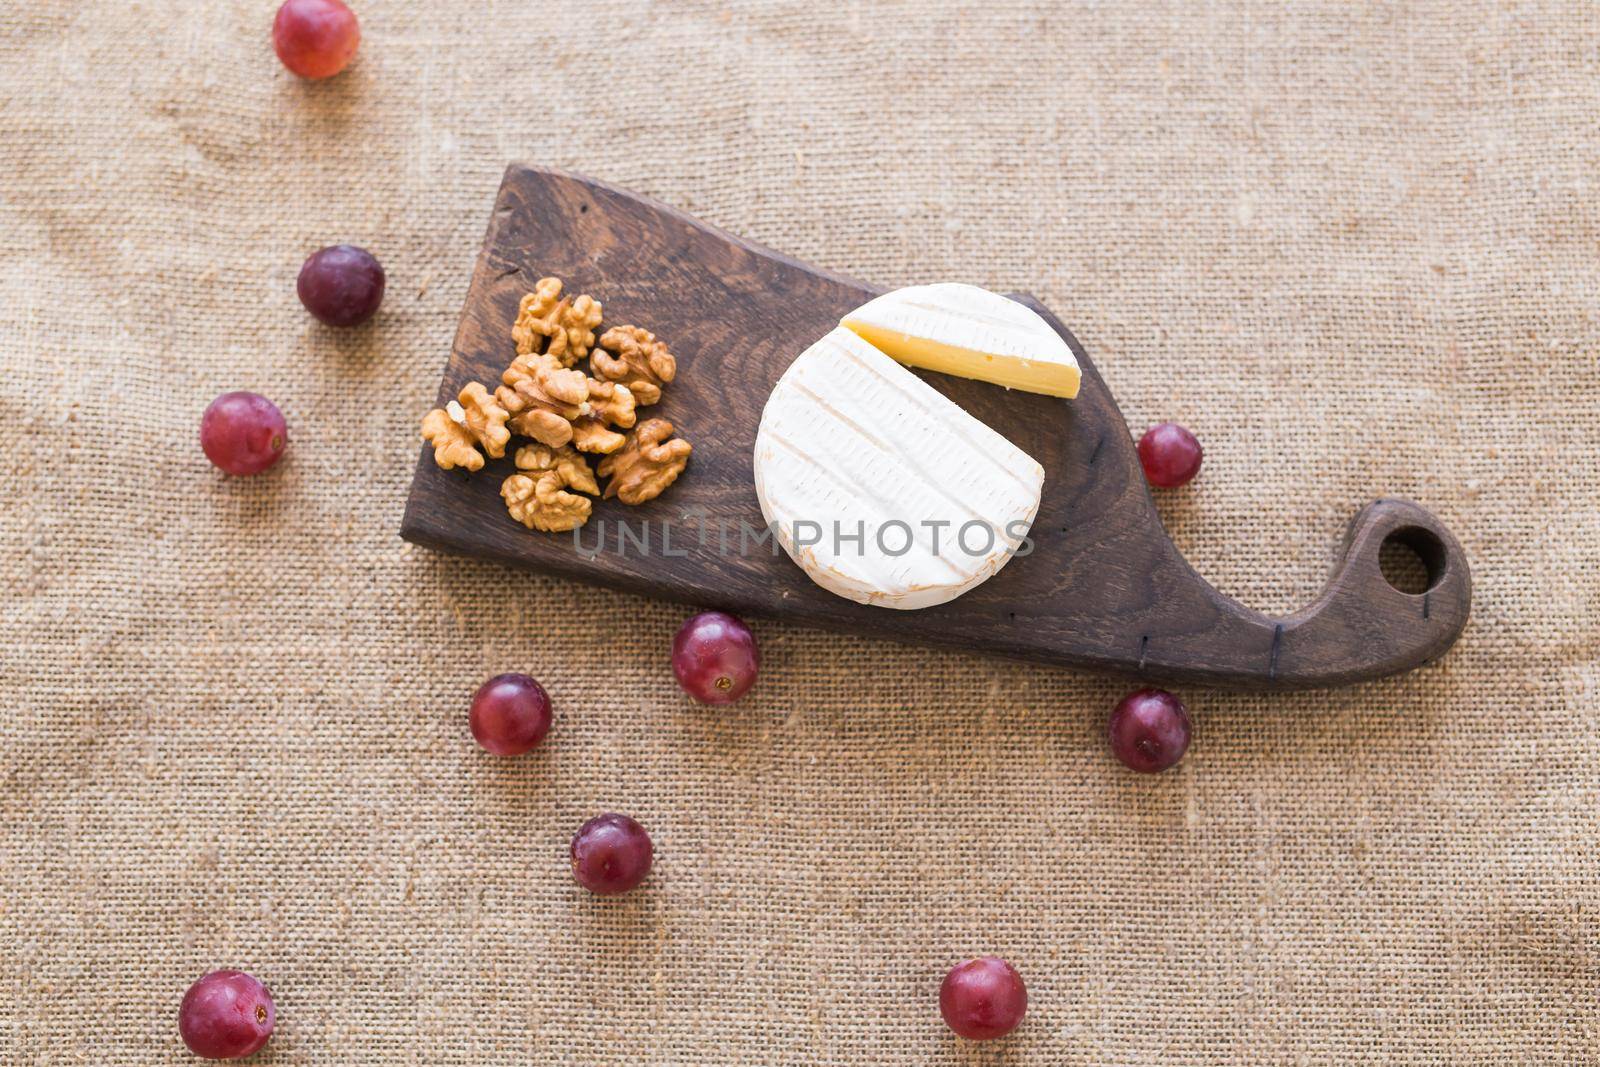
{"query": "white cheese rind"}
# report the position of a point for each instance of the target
(851, 437)
(969, 331)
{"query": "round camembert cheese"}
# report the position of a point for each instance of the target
(881, 489)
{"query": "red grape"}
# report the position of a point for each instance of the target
(1149, 730)
(315, 38)
(1170, 455)
(611, 854)
(243, 433)
(226, 1015)
(983, 998)
(342, 285)
(715, 658)
(510, 714)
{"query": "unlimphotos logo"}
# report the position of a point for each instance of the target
(697, 532)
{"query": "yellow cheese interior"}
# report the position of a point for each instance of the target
(1049, 378)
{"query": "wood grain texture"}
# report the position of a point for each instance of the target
(1104, 588)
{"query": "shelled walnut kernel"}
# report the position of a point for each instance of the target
(472, 420)
(549, 325)
(641, 362)
(537, 495)
(543, 398)
(646, 464)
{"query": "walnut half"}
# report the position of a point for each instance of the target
(646, 464)
(549, 325)
(472, 420)
(543, 398)
(537, 495)
(641, 362)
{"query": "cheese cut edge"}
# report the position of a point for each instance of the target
(970, 332)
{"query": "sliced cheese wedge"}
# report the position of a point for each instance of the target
(971, 333)
(882, 490)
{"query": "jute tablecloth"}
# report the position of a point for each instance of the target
(1355, 246)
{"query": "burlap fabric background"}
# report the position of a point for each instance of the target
(1356, 246)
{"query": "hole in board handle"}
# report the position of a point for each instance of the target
(1412, 560)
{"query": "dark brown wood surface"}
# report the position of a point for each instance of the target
(1104, 588)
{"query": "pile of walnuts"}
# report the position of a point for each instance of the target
(545, 397)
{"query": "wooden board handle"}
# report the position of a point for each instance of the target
(1181, 628)
(1399, 629)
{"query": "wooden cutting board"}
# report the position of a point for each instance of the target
(1104, 588)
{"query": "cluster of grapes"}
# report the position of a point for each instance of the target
(230, 1014)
